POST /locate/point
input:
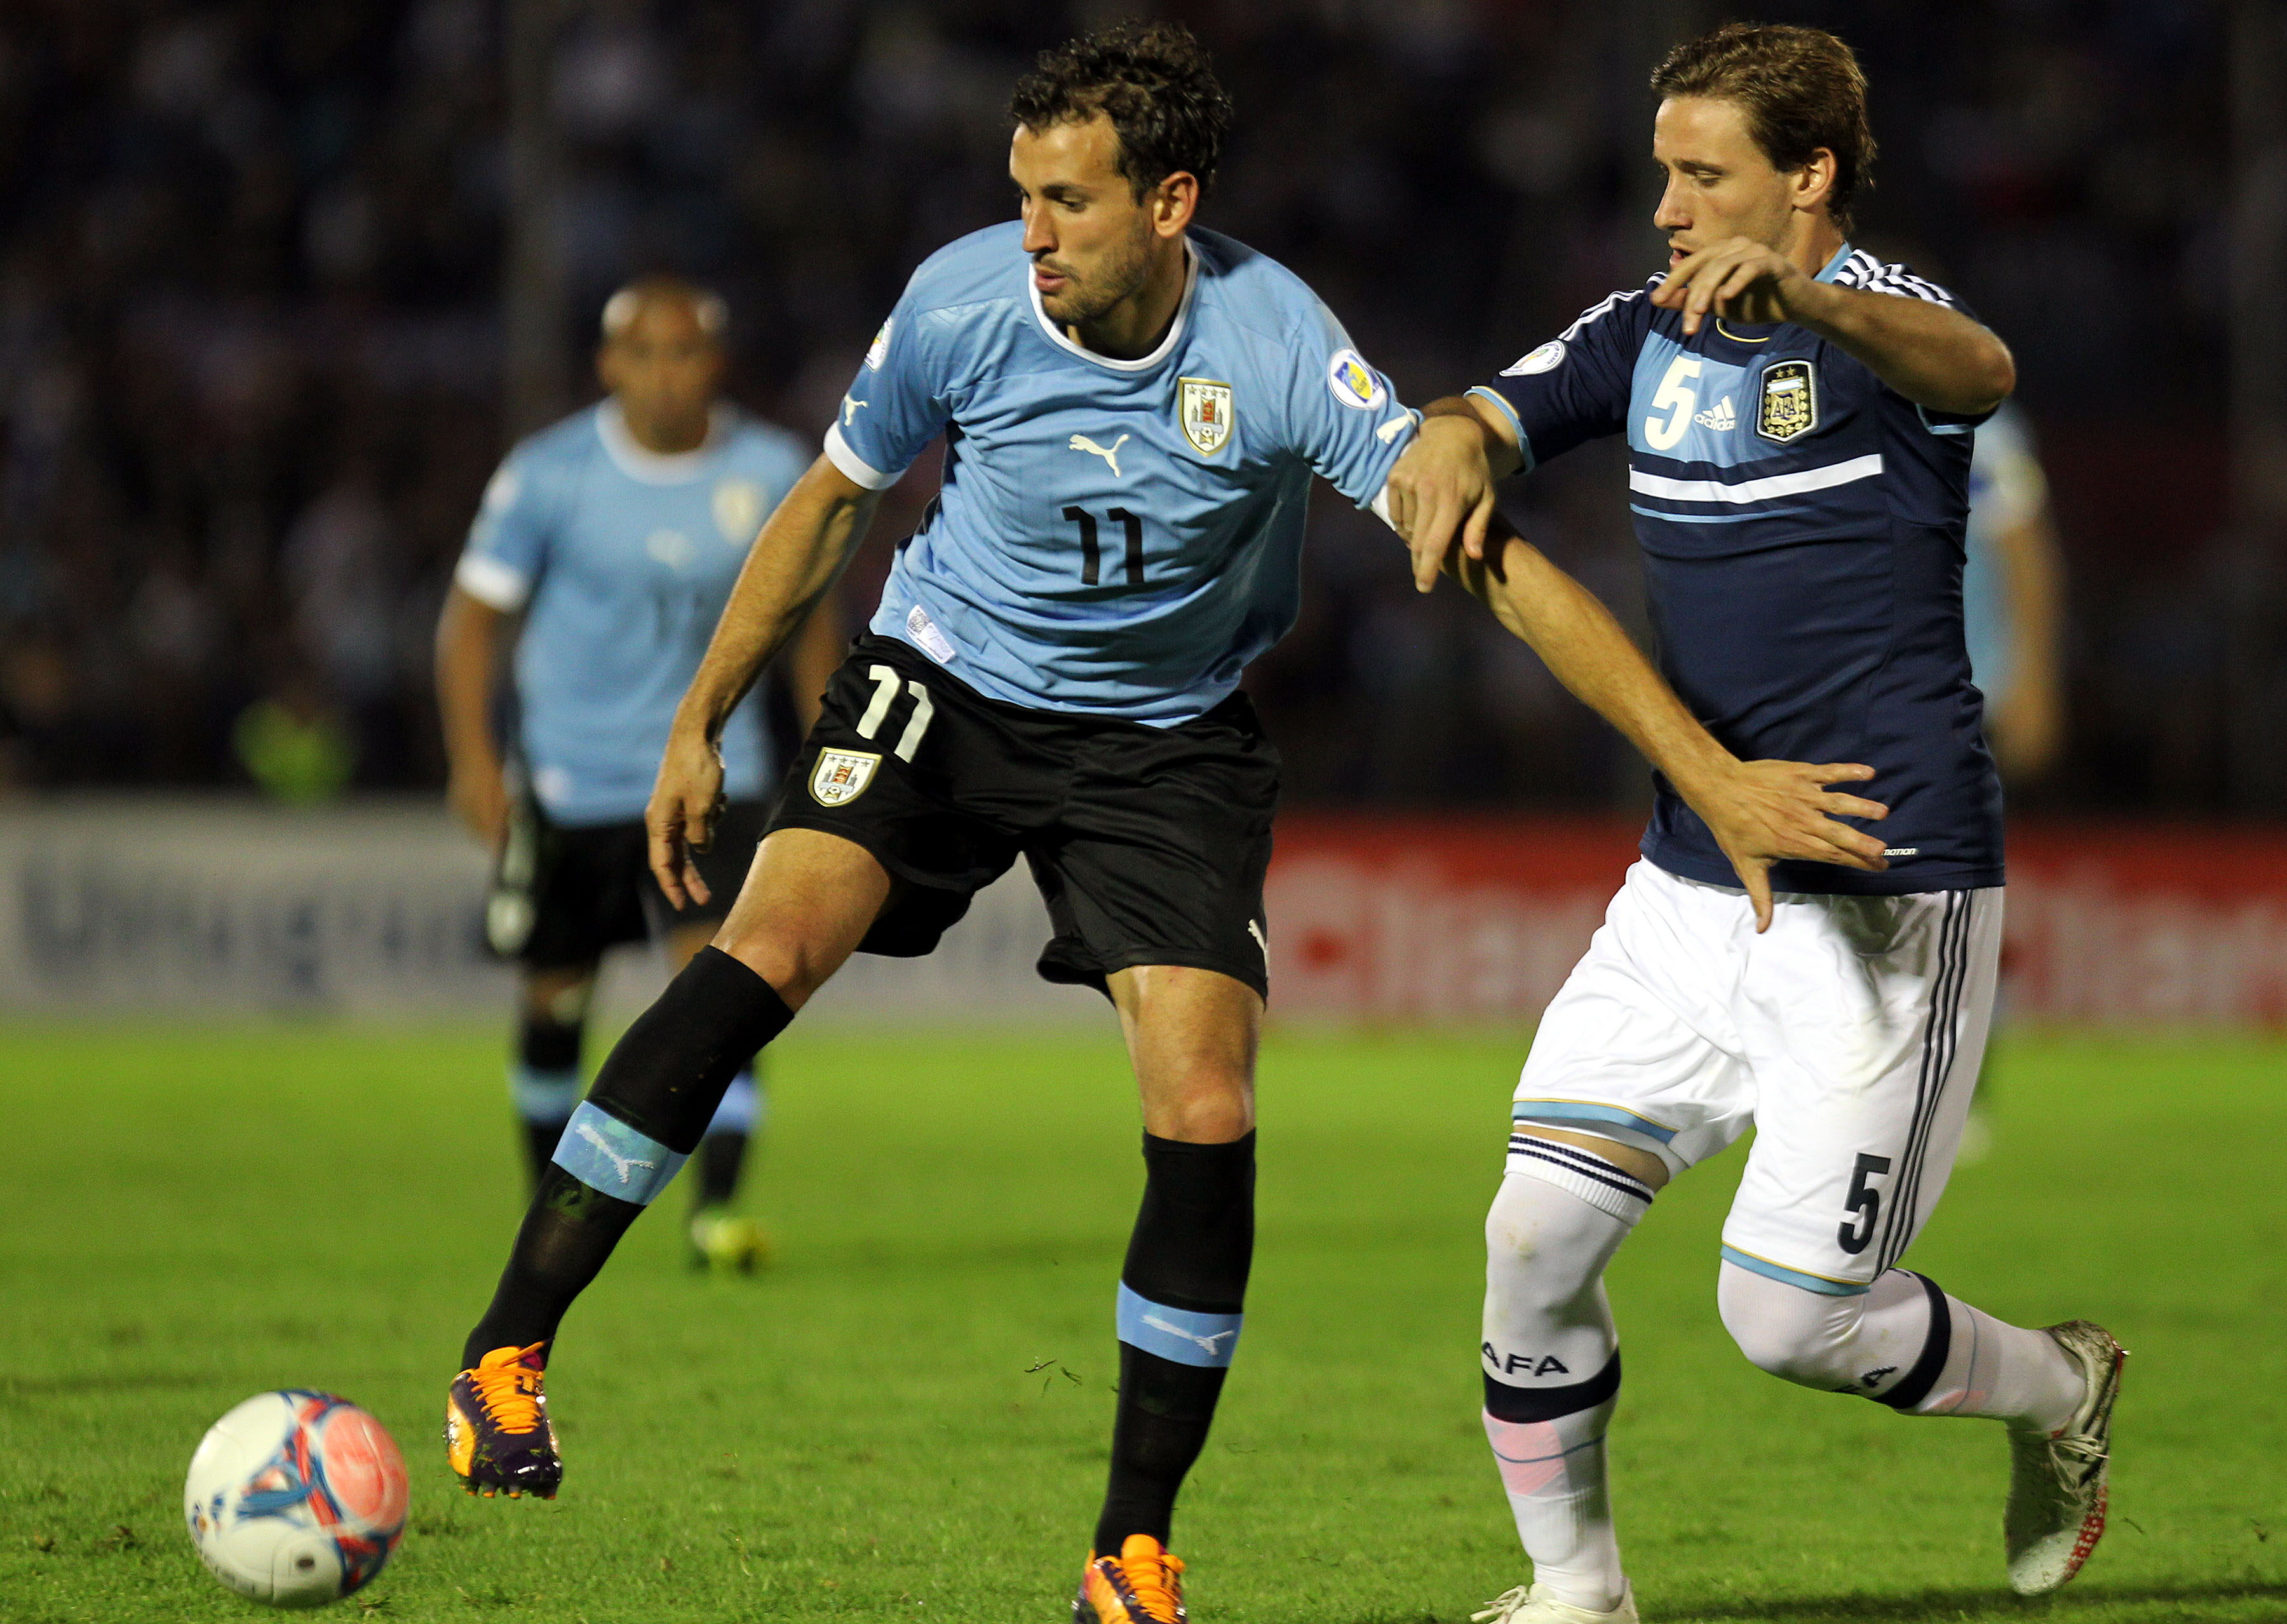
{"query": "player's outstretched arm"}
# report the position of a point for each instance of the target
(1760, 812)
(1931, 353)
(804, 545)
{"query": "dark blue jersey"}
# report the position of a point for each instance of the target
(1801, 525)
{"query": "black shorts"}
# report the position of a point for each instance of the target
(1148, 844)
(562, 897)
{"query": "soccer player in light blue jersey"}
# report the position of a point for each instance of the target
(616, 535)
(1133, 409)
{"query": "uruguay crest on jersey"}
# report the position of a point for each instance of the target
(1205, 408)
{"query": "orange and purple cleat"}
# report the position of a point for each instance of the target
(1142, 1584)
(497, 1438)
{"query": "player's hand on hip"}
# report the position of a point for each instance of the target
(1440, 486)
(1740, 278)
(1767, 812)
(680, 820)
(479, 797)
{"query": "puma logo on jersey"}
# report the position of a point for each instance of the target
(625, 1164)
(1109, 453)
(1255, 931)
(1207, 1344)
(850, 409)
(1719, 416)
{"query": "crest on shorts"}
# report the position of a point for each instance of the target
(842, 776)
(1788, 408)
(1205, 408)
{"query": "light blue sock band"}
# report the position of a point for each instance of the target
(544, 1098)
(743, 1108)
(605, 1154)
(1189, 1338)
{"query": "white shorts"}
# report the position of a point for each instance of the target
(1848, 1037)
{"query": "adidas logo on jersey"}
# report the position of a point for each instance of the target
(1719, 416)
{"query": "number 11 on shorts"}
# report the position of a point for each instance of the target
(885, 690)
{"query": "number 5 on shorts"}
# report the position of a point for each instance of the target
(1868, 1202)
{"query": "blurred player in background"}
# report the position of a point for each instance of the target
(1799, 417)
(2012, 604)
(1132, 410)
(616, 535)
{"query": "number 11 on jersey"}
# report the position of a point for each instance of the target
(1091, 555)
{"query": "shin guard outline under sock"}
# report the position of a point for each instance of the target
(650, 1106)
(1181, 1300)
(1552, 1462)
(668, 1074)
(568, 1233)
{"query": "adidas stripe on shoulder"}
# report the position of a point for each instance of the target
(1869, 274)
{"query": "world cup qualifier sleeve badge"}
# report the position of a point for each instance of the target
(1788, 406)
(1205, 408)
(842, 776)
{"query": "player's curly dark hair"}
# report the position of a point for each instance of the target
(1802, 89)
(1154, 81)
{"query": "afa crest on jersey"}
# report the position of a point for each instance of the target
(1788, 406)
(842, 776)
(1205, 406)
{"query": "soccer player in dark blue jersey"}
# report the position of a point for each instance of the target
(1132, 408)
(1799, 419)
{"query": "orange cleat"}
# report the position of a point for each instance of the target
(1142, 1584)
(496, 1431)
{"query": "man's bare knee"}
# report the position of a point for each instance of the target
(1191, 1037)
(808, 901)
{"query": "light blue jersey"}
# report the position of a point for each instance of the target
(1112, 538)
(621, 560)
(2006, 488)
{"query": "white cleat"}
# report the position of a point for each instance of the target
(2057, 1491)
(1537, 1607)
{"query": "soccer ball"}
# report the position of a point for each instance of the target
(296, 1498)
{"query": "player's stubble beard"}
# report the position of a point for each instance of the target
(1093, 296)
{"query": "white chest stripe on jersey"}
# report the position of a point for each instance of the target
(1833, 474)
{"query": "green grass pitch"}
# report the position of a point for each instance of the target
(907, 1418)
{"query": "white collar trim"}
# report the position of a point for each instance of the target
(1143, 363)
(657, 467)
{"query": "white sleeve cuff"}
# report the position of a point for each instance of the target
(492, 583)
(1380, 505)
(855, 467)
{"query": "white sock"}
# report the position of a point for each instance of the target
(2003, 1371)
(1553, 1472)
(1880, 1344)
(1551, 1361)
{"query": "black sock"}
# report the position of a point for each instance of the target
(547, 1082)
(568, 1233)
(663, 1080)
(1183, 1285)
(721, 1157)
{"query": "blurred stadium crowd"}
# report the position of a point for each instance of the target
(250, 346)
